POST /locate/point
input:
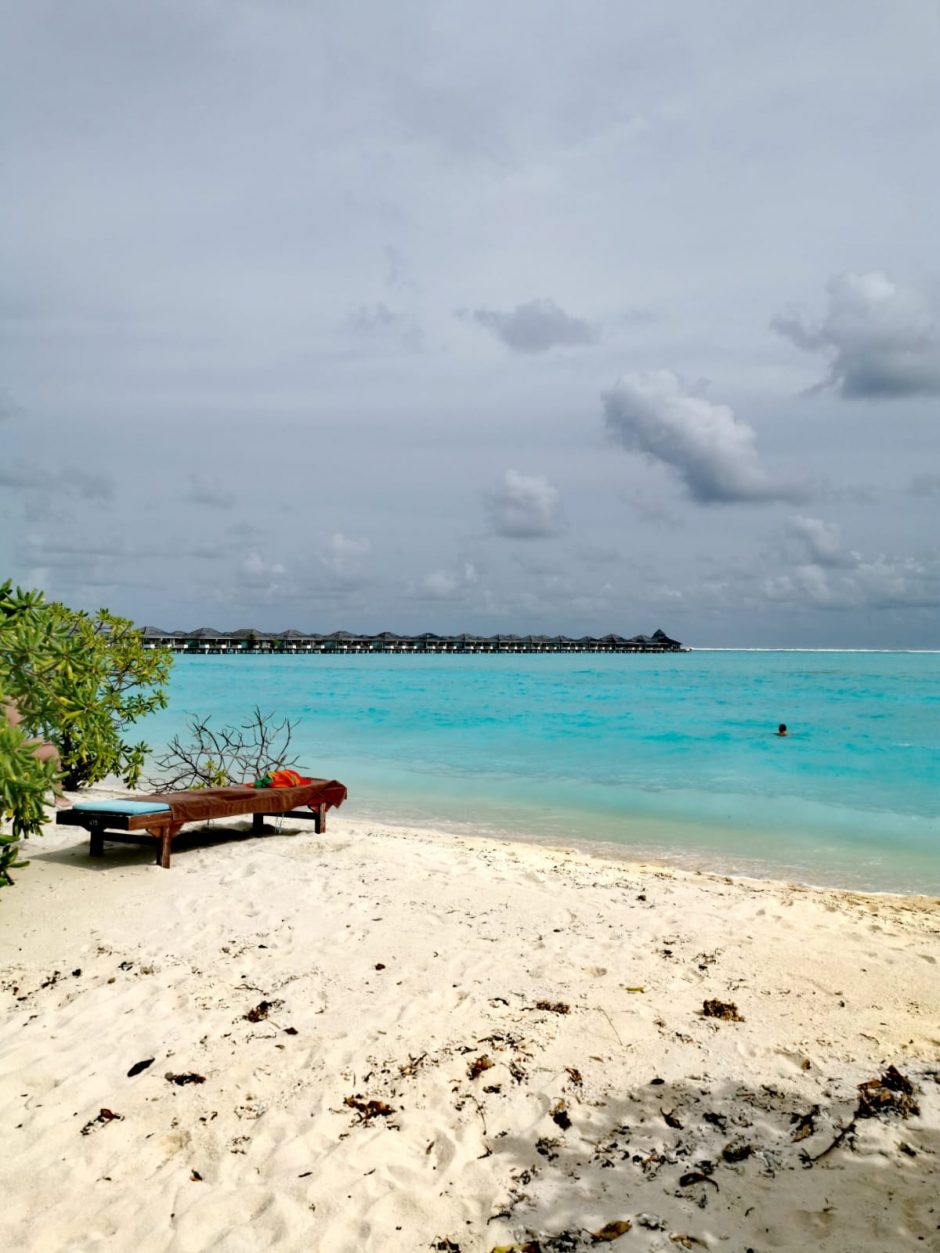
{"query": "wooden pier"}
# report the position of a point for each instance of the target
(250, 642)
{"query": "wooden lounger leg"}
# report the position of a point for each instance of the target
(319, 822)
(166, 843)
(257, 824)
(96, 839)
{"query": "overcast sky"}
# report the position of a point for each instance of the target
(534, 316)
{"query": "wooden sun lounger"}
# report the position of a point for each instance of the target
(308, 802)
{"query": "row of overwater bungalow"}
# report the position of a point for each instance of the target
(250, 641)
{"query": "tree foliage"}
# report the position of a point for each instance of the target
(24, 782)
(216, 756)
(80, 681)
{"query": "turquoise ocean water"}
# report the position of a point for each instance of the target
(670, 758)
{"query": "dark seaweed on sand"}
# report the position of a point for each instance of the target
(560, 1116)
(261, 1011)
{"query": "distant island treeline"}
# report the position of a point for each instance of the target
(248, 640)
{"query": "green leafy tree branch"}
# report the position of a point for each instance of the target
(24, 783)
(80, 681)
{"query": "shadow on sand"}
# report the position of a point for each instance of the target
(118, 854)
(686, 1165)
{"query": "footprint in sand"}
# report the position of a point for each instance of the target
(799, 1061)
(443, 1152)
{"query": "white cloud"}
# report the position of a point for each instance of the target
(534, 327)
(821, 542)
(826, 575)
(256, 572)
(341, 551)
(712, 451)
(883, 339)
(523, 506)
(884, 582)
(451, 584)
(803, 584)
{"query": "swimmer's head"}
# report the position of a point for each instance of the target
(782, 729)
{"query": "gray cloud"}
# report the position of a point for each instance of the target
(22, 474)
(8, 406)
(212, 495)
(534, 327)
(712, 451)
(523, 506)
(378, 323)
(59, 549)
(395, 269)
(925, 485)
(369, 318)
(92, 485)
(55, 551)
(883, 339)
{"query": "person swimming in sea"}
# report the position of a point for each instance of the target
(782, 729)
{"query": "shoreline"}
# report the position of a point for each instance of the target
(667, 847)
(650, 857)
(531, 1016)
(682, 865)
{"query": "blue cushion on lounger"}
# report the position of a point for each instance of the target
(122, 807)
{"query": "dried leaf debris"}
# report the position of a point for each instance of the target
(368, 1109)
(102, 1118)
(479, 1064)
(726, 1011)
(611, 1231)
(892, 1093)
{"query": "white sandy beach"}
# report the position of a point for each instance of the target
(400, 1087)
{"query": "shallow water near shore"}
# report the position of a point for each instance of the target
(669, 758)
